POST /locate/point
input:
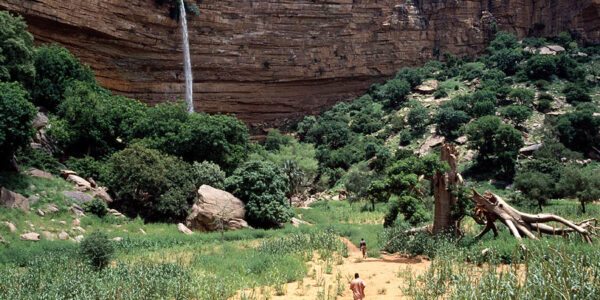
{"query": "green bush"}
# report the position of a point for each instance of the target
(522, 96)
(413, 76)
(87, 167)
(39, 159)
(541, 84)
(96, 206)
(16, 50)
(449, 121)
(507, 60)
(262, 186)
(441, 93)
(395, 92)
(483, 108)
(275, 140)
(56, 68)
(417, 117)
(148, 183)
(97, 249)
(536, 186)
(517, 114)
(330, 133)
(544, 105)
(194, 137)
(16, 117)
(497, 144)
(93, 121)
(208, 173)
(540, 67)
(579, 130)
(575, 93)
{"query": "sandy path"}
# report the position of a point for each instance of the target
(380, 275)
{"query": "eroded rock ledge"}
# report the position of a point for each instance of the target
(273, 60)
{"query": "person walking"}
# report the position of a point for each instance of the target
(363, 247)
(357, 286)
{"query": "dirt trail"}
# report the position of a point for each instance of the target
(380, 275)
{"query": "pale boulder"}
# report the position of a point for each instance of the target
(102, 193)
(427, 87)
(63, 235)
(80, 182)
(214, 206)
(13, 200)
(183, 229)
(10, 226)
(48, 235)
(31, 236)
(40, 174)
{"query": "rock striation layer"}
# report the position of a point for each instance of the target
(272, 60)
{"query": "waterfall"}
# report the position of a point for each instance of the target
(187, 64)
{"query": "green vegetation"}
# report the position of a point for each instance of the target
(16, 115)
(97, 249)
(16, 50)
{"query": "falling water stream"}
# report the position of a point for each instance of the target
(187, 64)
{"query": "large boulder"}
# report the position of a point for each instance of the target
(81, 183)
(40, 174)
(31, 236)
(183, 229)
(427, 87)
(214, 205)
(13, 200)
(78, 196)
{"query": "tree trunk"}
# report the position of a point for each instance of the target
(443, 185)
(582, 206)
(522, 224)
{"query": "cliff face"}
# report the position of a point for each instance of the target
(272, 60)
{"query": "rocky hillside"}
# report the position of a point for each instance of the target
(268, 61)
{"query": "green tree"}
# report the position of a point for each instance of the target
(413, 76)
(540, 67)
(535, 185)
(449, 121)
(194, 137)
(16, 50)
(395, 92)
(148, 183)
(579, 130)
(517, 114)
(507, 60)
(522, 96)
(56, 69)
(208, 173)
(16, 116)
(418, 117)
(262, 186)
(580, 183)
(275, 140)
(497, 143)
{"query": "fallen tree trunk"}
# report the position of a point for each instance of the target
(520, 224)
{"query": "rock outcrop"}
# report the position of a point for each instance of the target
(272, 60)
(215, 206)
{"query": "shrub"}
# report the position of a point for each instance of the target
(470, 71)
(544, 105)
(331, 133)
(94, 121)
(507, 60)
(484, 95)
(208, 173)
(275, 140)
(88, 167)
(503, 40)
(97, 207)
(16, 116)
(417, 117)
(16, 50)
(263, 188)
(39, 159)
(56, 68)
(395, 92)
(156, 186)
(541, 84)
(413, 76)
(449, 121)
(497, 143)
(441, 92)
(536, 186)
(578, 130)
(97, 249)
(516, 113)
(194, 137)
(303, 154)
(483, 108)
(576, 94)
(580, 183)
(522, 96)
(540, 67)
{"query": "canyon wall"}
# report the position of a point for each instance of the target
(274, 60)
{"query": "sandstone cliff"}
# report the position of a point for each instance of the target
(272, 60)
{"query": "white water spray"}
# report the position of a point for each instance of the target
(187, 63)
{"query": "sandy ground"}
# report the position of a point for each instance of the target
(379, 274)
